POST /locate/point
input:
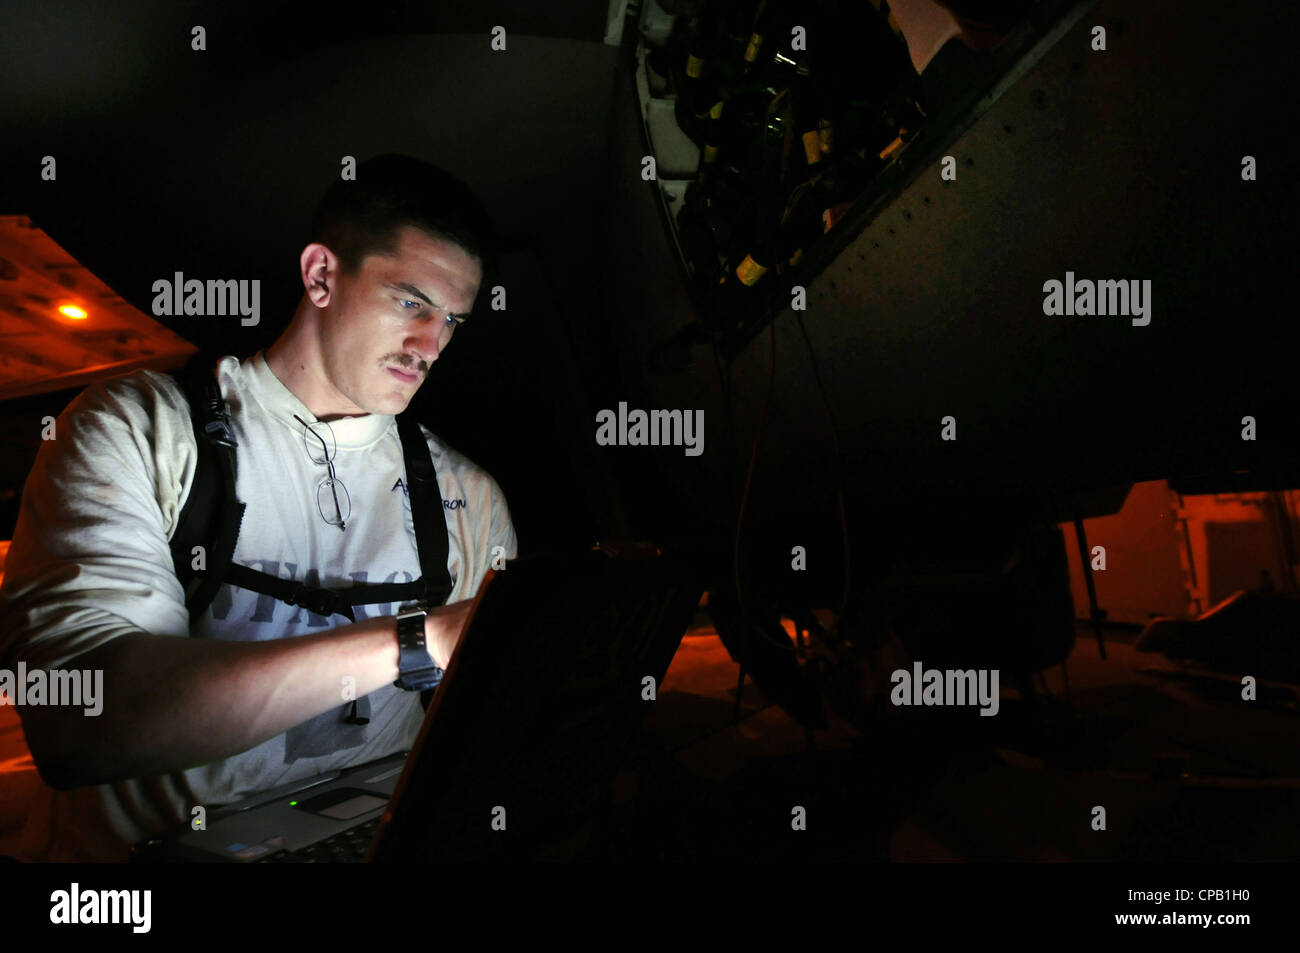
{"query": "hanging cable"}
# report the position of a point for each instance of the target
(839, 471)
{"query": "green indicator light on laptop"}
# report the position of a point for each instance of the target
(293, 803)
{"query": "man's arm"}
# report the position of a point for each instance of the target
(173, 703)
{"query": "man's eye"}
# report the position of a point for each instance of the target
(405, 301)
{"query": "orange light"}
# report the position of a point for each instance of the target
(72, 311)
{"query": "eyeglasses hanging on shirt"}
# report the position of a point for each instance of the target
(331, 495)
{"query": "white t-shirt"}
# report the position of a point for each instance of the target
(90, 561)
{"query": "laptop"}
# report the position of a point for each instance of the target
(541, 702)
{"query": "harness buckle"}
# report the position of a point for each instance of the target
(323, 602)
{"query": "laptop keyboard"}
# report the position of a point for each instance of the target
(345, 847)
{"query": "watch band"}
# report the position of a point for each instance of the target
(416, 671)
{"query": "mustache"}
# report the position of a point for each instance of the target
(408, 367)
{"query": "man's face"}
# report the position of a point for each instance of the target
(387, 324)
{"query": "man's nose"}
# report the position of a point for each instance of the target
(426, 342)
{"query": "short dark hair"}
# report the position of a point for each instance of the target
(363, 216)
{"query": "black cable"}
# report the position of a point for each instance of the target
(724, 380)
(749, 474)
(839, 470)
(744, 499)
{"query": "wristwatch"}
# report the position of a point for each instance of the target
(416, 671)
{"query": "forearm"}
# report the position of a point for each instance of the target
(174, 703)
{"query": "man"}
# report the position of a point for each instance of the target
(202, 711)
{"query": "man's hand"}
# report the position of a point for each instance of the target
(443, 627)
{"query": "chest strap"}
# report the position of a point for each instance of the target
(214, 492)
(434, 585)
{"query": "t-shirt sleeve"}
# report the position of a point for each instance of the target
(501, 530)
(90, 559)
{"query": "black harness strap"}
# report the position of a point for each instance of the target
(426, 511)
(212, 500)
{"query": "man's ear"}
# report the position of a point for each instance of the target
(319, 266)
